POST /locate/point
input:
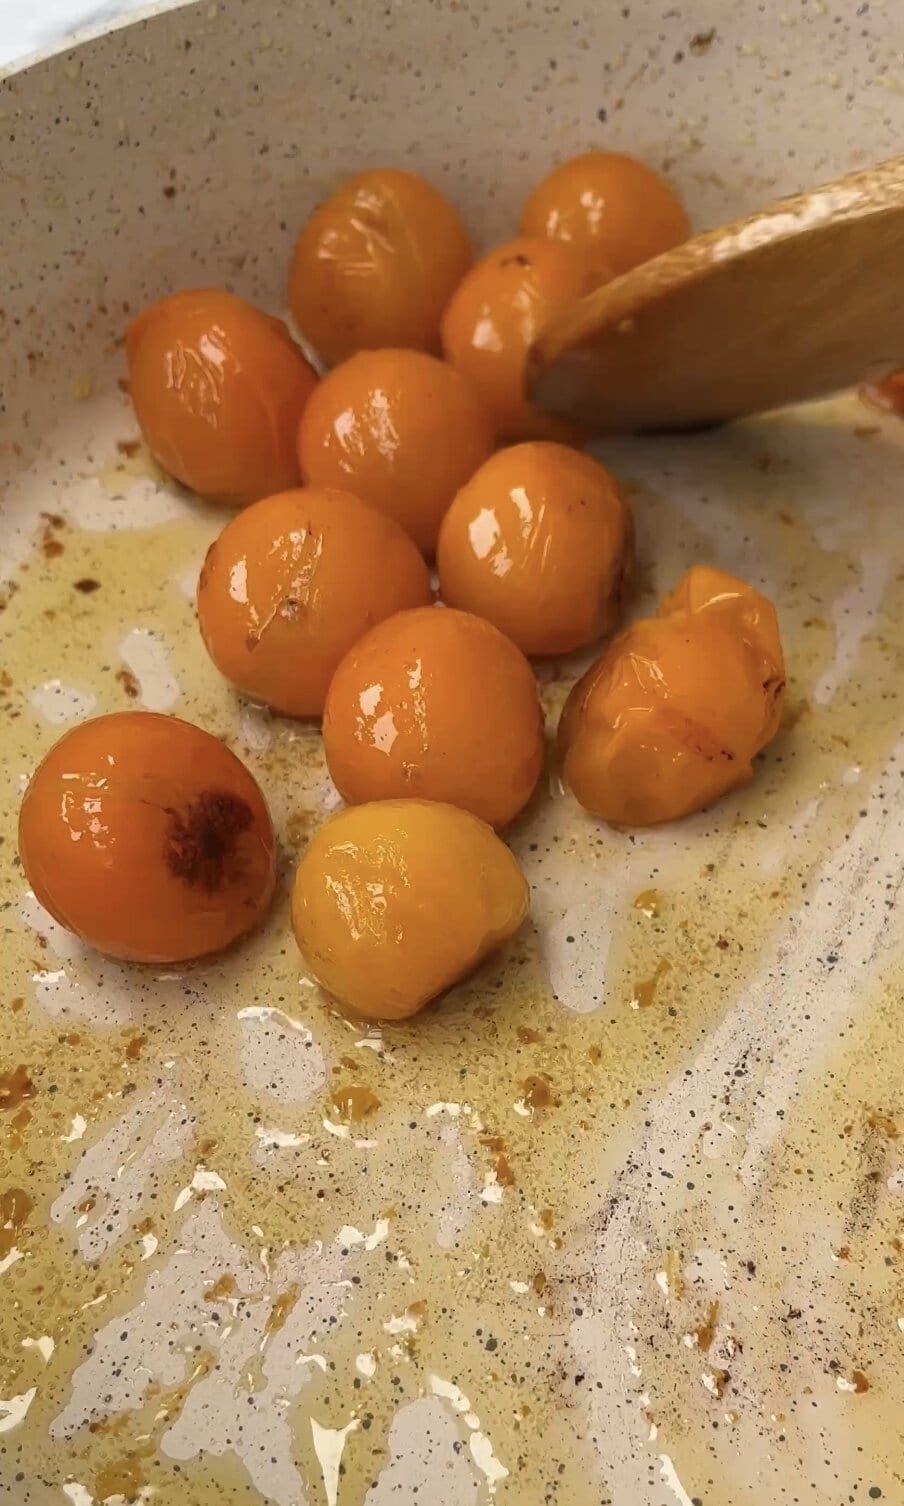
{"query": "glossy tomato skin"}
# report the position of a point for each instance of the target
(436, 704)
(496, 314)
(147, 838)
(674, 710)
(610, 204)
(401, 430)
(397, 900)
(293, 582)
(218, 389)
(539, 542)
(375, 265)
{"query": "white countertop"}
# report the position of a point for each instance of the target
(27, 28)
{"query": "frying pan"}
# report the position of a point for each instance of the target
(683, 1284)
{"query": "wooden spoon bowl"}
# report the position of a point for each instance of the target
(799, 300)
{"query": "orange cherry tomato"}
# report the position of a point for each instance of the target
(376, 264)
(401, 430)
(538, 542)
(887, 393)
(705, 588)
(436, 704)
(218, 390)
(147, 838)
(496, 314)
(397, 900)
(293, 582)
(610, 204)
(673, 712)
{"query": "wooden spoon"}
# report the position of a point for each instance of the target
(802, 299)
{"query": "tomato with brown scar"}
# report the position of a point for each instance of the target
(147, 838)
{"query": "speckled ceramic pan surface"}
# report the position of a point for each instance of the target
(622, 1220)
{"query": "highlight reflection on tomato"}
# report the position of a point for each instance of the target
(147, 837)
(218, 389)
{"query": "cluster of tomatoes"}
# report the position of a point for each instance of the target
(316, 600)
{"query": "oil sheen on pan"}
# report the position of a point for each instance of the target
(629, 1146)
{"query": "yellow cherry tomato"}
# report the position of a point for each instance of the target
(147, 838)
(538, 542)
(401, 430)
(496, 314)
(218, 389)
(293, 582)
(437, 705)
(397, 900)
(608, 203)
(673, 712)
(376, 264)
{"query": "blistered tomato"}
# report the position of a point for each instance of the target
(397, 900)
(293, 582)
(376, 264)
(400, 429)
(672, 714)
(608, 203)
(538, 542)
(496, 314)
(147, 838)
(218, 390)
(436, 705)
